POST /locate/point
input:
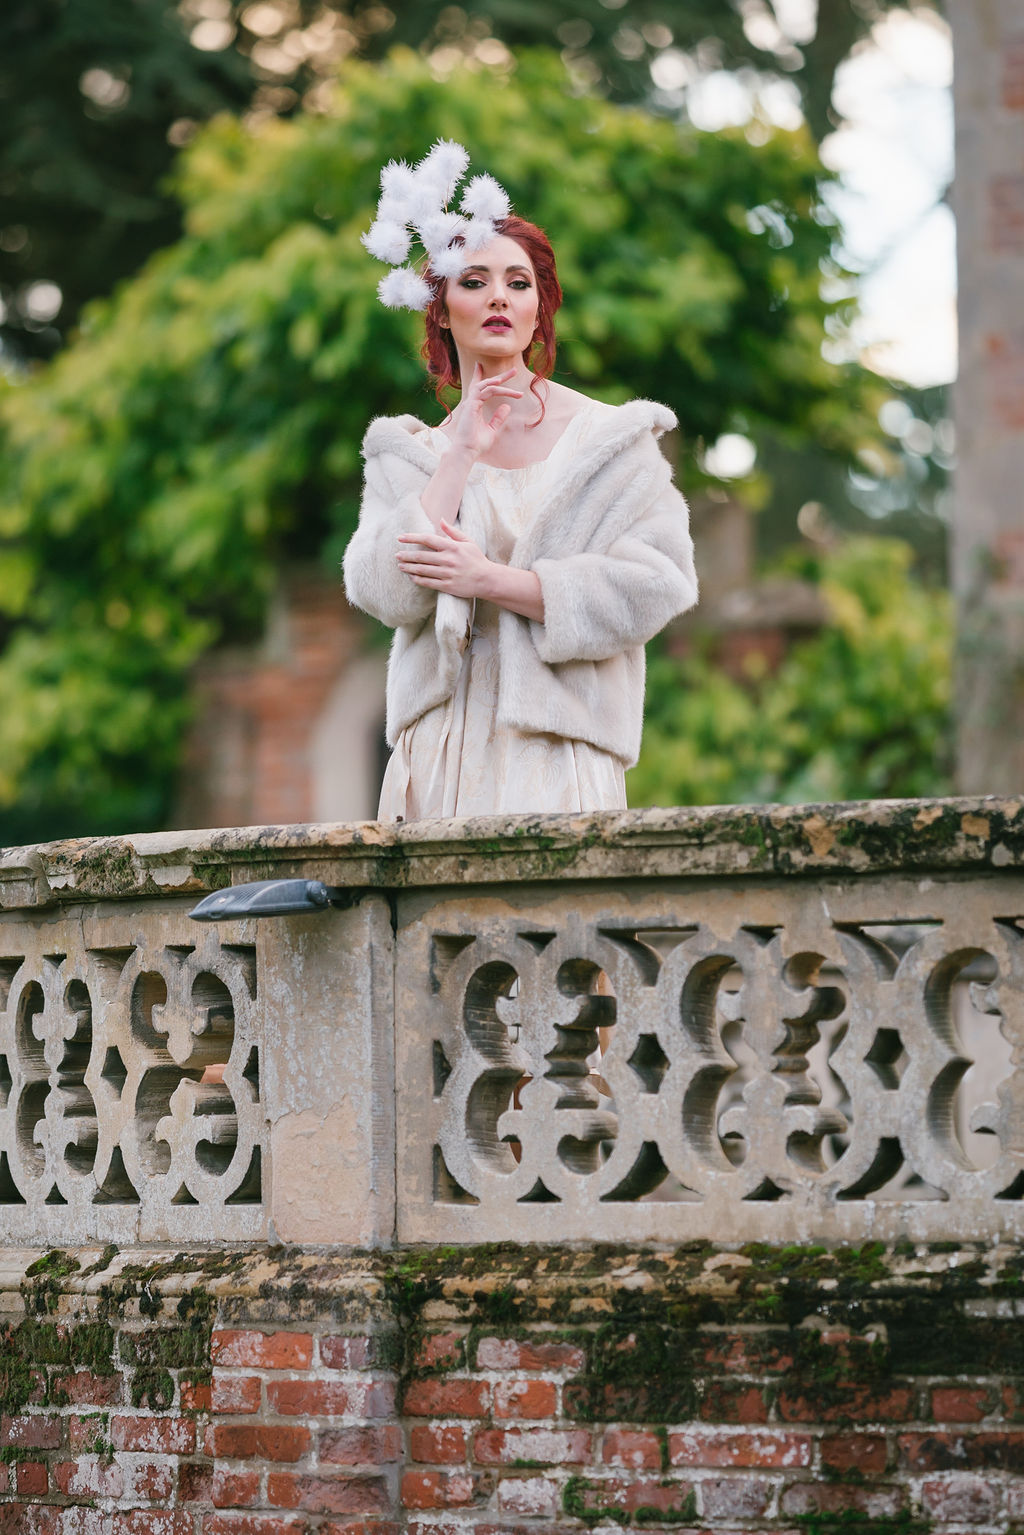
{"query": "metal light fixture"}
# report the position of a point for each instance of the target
(269, 898)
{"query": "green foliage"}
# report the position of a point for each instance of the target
(96, 93)
(898, 484)
(860, 711)
(606, 47)
(205, 425)
(91, 91)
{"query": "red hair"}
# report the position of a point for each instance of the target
(438, 349)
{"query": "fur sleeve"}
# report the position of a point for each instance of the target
(390, 506)
(596, 605)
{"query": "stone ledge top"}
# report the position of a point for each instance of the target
(918, 836)
(551, 1285)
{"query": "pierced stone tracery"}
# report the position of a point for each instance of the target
(665, 1045)
(129, 1088)
(823, 1071)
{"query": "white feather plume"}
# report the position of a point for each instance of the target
(392, 210)
(402, 288)
(388, 241)
(446, 161)
(450, 262)
(414, 202)
(438, 230)
(479, 232)
(484, 198)
(398, 181)
(427, 197)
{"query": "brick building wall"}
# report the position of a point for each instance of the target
(503, 1392)
(290, 729)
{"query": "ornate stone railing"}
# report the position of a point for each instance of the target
(794, 1024)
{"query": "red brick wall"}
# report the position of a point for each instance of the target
(247, 754)
(1013, 74)
(500, 1404)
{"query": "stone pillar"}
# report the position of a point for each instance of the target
(988, 532)
(329, 1050)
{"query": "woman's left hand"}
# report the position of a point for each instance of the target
(446, 561)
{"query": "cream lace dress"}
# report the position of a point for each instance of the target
(456, 760)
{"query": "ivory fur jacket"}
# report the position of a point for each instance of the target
(610, 543)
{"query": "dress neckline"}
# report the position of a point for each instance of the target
(536, 463)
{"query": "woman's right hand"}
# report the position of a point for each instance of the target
(475, 428)
(479, 423)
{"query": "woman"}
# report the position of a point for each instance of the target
(524, 552)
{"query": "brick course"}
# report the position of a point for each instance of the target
(468, 1429)
(1006, 215)
(262, 1351)
(1013, 74)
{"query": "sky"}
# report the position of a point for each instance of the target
(896, 158)
(894, 154)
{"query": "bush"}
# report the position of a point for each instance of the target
(861, 711)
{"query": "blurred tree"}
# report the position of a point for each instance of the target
(90, 95)
(206, 423)
(835, 722)
(644, 53)
(96, 94)
(898, 485)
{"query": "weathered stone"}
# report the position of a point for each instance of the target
(796, 1023)
(988, 543)
(329, 1058)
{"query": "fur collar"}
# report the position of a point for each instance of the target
(611, 474)
(407, 437)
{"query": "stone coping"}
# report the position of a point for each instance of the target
(970, 835)
(553, 1287)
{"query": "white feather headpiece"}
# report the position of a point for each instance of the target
(414, 205)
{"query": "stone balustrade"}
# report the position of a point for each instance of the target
(788, 1024)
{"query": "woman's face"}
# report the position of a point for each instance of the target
(492, 306)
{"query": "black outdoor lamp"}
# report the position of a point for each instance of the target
(269, 898)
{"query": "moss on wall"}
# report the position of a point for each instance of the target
(825, 1335)
(37, 1352)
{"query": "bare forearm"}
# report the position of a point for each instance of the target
(442, 495)
(448, 561)
(518, 590)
